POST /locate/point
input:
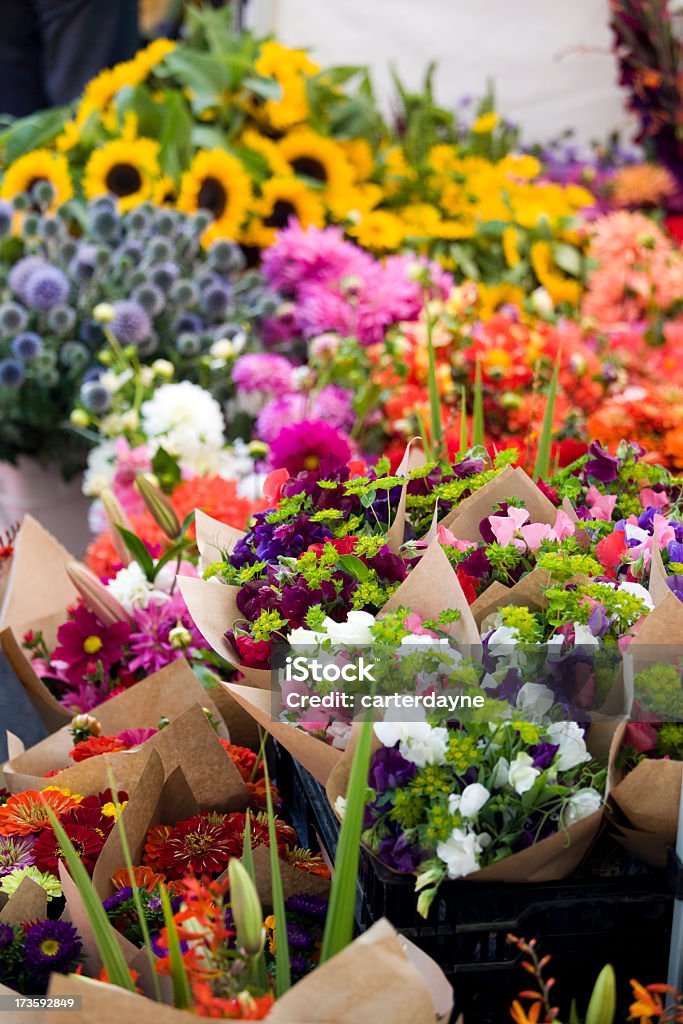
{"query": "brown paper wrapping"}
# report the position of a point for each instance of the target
(294, 881)
(464, 519)
(553, 858)
(374, 979)
(29, 903)
(214, 539)
(168, 692)
(529, 591)
(650, 796)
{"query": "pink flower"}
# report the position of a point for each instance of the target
(449, 540)
(653, 499)
(641, 736)
(505, 527)
(535, 533)
(83, 641)
(564, 527)
(304, 445)
(601, 505)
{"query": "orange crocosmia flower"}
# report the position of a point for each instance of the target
(26, 812)
(143, 875)
(244, 1007)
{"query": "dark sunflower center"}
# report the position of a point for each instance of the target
(310, 167)
(282, 211)
(213, 197)
(36, 181)
(123, 180)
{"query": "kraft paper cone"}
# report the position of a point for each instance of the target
(105, 1004)
(51, 712)
(413, 458)
(371, 980)
(651, 849)
(464, 519)
(433, 587)
(650, 796)
(168, 693)
(528, 592)
(29, 903)
(294, 881)
(316, 756)
(214, 539)
(553, 858)
(658, 588)
(38, 558)
(213, 606)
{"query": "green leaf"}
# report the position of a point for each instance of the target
(567, 258)
(434, 399)
(478, 431)
(463, 420)
(138, 100)
(202, 72)
(166, 470)
(340, 915)
(283, 977)
(175, 139)
(138, 551)
(32, 132)
(103, 932)
(268, 88)
(182, 995)
(353, 565)
(542, 464)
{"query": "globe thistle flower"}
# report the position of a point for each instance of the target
(102, 258)
(46, 287)
(51, 227)
(200, 221)
(164, 275)
(189, 323)
(188, 344)
(216, 301)
(131, 325)
(27, 346)
(61, 320)
(6, 218)
(43, 193)
(184, 293)
(46, 376)
(21, 202)
(31, 226)
(66, 252)
(11, 374)
(21, 272)
(13, 318)
(226, 256)
(90, 333)
(52, 946)
(74, 355)
(149, 347)
(82, 267)
(150, 298)
(268, 304)
(138, 220)
(159, 250)
(96, 398)
(131, 249)
(164, 223)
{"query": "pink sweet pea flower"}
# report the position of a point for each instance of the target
(601, 506)
(504, 528)
(534, 533)
(653, 499)
(563, 527)
(449, 540)
(663, 531)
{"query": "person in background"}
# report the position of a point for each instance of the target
(49, 49)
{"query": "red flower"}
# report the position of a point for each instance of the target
(273, 484)
(253, 653)
(27, 812)
(468, 585)
(344, 545)
(641, 736)
(95, 745)
(84, 640)
(674, 225)
(243, 758)
(87, 829)
(611, 550)
(202, 845)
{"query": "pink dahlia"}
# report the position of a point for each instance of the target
(262, 371)
(311, 256)
(304, 445)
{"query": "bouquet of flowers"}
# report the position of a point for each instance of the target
(31, 952)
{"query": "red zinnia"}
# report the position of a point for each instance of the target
(201, 845)
(95, 745)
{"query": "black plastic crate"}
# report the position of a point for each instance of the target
(595, 917)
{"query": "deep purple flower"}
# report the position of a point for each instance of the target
(299, 965)
(305, 904)
(298, 937)
(390, 770)
(602, 466)
(598, 623)
(397, 852)
(52, 946)
(477, 564)
(543, 754)
(119, 897)
(675, 551)
(675, 585)
(131, 325)
(6, 936)
(388, 565)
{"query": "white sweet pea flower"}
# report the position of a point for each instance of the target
(521, 774)
(460, 853)
(580, 805)
(302, 637)
(418, 741)
(501, 773)
(470, 801)
(569, 737)
(356, 629)
(535, 699)
(638, 590)
(503, 641)
(583, 636)
(132, 589)
(634, 532)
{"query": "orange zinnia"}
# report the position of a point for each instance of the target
(27, 812)
(155, 844)
(143, 876)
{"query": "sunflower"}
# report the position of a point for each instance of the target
(319, 159)
(289, 68)
(127, 169)
(379, 230)
(34, 168)
(102, 89)
(164, 191)
(266, 148)
(218, 183)
(359, 154)
(283, 198)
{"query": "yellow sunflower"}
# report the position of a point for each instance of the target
(289, 68)
(217, 183)
(164, 191)
(125, 168)
(379, 230)
(266, 148)
(317, 158)
(359, 154)
(101, 90)
(283, 198)
(34, 168)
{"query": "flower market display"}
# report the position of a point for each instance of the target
(363, 686)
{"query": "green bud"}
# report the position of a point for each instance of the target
(603, 1003)
(158, 506)
(246, 909)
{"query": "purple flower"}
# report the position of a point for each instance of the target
(602, 466)
(675, 585)
(263, 371)
(675, 551)
(6, 936)
(150, 645)
(119, 897)
(598, 623)
(397, 852)
(131, 325)
(46, 287)
(310, 906)
(543, 754)
(15, 852)
(304, 445)
(390, 770)
(27, 346)
(286, 409)
(21, 272)
(136, 737)
(298, 937)
(52, 946)
(334, 405)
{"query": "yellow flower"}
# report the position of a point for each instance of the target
(561, 289)
(422, 219)
(510, 250)
(218, 183)
(485, 123)
(520, 165)
(111, 810)
(317, 158)
(355, 201)
(34, 168)
(359, 154)
(288, 68)
(379, 230)
(69, 137)
(65, 791)
(276, 60)
(281, 199)
(492, 297)
(125, 168)
(164, 191)
(101, 90)
(266, 148)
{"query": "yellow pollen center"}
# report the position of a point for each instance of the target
(92, 644)
(311, 462)
(50, 947)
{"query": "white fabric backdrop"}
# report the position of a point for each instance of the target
(550, 60)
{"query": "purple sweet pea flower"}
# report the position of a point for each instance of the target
(598, 623)
(602, 466)
(397, 853)
(675, 551)
(543, 754)
(390, 770)
(675, 585)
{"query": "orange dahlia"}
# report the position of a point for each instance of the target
(26, 812)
